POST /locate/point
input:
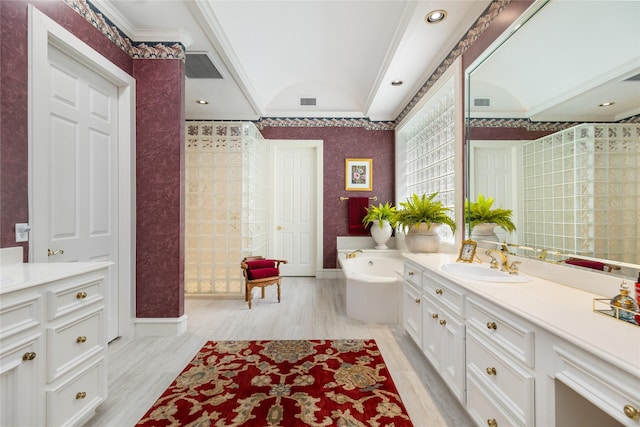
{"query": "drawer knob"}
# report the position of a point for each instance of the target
(439, 291)
(434, 315)
(417, 300)
(491, 422)
(631, 412)
(410, 273)
(492, 325)
(30, 355)
(443, 322)
(81, 339)
(80, 395)
(81, 295)
(491, 371)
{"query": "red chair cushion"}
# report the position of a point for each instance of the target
(261, 263)
(261, 273)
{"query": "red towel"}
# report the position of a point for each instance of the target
(357, 210)
(585, 263)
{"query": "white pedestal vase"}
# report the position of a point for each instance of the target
(484, 232)
(381, 235)
(423, 239)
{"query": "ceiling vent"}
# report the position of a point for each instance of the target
(199, 66)
(635, 78)
(482, 102)
(306, 102)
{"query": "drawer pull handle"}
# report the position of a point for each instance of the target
(81, 295)
(491, 422)
(411, 273)
(491, 371)
(434, 315)
(492, 325)
(443, 322)
(81, 339)
(631, 412)
(80, 395)
(30, 355)
(417, 300)
(438, 291)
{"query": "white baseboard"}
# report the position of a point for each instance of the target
(166, 327)
(329, 273)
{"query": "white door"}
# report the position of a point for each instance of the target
(75, 203)
(295, 210)
(493, 167)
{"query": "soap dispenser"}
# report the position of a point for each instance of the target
(624, 301)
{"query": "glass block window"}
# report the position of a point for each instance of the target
(581, 190)
(226, 204)
(427, 142)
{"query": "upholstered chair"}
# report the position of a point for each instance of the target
(260, 272)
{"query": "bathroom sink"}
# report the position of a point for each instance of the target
(484, 273)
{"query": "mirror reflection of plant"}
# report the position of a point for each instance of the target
(423, 209)
(380, 213)
(480, 212)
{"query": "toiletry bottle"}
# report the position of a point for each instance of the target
(638, 289)
(625, 302)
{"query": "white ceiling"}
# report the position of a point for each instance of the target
(345, 53)
(565, 61)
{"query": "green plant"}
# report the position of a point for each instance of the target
(423, 209)
(380, 213)
(480, 212)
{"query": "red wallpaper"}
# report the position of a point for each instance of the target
(341, 143)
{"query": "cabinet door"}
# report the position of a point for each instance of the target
(452, 354)
(20, 392)
(431, 332)
(412, 312)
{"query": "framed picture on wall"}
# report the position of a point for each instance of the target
(358, 175)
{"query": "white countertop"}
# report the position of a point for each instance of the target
(562, 310)
(14, 277)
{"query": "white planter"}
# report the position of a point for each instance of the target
(381, 235)
(484, 232)
(423, 239)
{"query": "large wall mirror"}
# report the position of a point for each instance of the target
(553, 132)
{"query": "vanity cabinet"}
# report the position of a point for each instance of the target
(411, 301)
(443, 331)
(53, 345)
(500, 361)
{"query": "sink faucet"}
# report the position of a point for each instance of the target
(353, 254)
(504, 260)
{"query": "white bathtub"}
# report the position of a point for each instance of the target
(373, 288)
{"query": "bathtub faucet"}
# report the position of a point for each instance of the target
(353, 254)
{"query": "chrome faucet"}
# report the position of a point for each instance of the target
(353, 254)
(504, 260)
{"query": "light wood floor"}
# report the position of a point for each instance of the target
(140, 369)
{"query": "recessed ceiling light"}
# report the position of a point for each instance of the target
(396, 82)
(202, 101)
(435, 16)
(606, 104)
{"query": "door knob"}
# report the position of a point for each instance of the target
(279, 227)
(58, 252)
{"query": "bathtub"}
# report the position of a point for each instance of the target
(373, 288)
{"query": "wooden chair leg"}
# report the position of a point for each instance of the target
(249, 296)
(263, 292)
(278, 291)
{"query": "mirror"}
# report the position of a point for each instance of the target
(542, 141)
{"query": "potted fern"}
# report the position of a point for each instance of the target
(422, 216)
(383, 220)
(483, 219)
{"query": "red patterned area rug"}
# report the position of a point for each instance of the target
(282, 383)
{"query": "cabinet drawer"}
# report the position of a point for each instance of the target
(510, 335)
(74, 295)
(485, 408)
(513, 385)
(70, 343)
(413, 273)
(445, 293)
(78, 397)
(18, 314)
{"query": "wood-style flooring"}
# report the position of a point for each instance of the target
(141, 368)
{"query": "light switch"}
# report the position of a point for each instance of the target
(22, 232)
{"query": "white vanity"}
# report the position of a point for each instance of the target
(523, 354)
(52, 341)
